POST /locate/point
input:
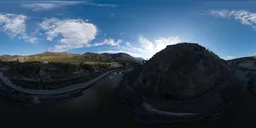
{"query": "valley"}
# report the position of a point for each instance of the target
(122, 92)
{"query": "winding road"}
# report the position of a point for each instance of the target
(79, 86)
(99, 103)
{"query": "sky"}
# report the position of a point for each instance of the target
(140, 28)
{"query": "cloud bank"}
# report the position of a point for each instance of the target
(110, 42)
(15, 26)
(78, 33)
(39, 6)
(146, 48)
(69, 33)
(49, 5)
(243, 16)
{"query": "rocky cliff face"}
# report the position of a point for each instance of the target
(182, 71)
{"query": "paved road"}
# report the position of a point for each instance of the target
(54, 91)
(99, 102)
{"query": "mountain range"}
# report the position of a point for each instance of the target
(65, 57)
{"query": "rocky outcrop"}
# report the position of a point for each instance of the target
(183, 79)
(182, 71)
(244, 62)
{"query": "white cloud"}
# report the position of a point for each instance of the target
(149, 48)
(70, 33)
(15, 26)
(245, 17)
(145, 47)
(38, 6)
(161, 43)
(48, 5)
(229, 57)
(101, 5)
(110, 42)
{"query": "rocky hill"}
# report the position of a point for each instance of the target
(46, 56)
(64, 57)
(244, 62)
(96, 57)
(120, 57)
(182, 71)
(183, 79)
(140, 60)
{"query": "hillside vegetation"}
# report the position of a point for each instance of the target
(62, 64)
(63, 57)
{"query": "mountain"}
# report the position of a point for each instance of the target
(54, 54)
(46, 56)
(244, 62)
(140, 60)
(65, 57)
(172, 71)
(182, 78)
(96, 57)
(120, 57)
(65, 62)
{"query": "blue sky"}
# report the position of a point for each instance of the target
(138, 27)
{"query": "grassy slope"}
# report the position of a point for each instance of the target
(91, 58)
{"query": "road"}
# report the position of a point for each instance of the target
(54, 91)
(98, 105)
(99, 102)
